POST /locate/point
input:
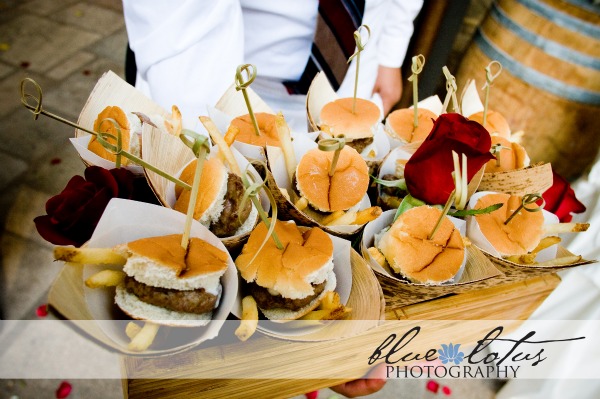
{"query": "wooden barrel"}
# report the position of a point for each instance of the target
(550, 84)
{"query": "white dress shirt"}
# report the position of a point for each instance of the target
(187, 51)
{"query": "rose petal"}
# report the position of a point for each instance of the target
(101, 177)
(312, 395)
(432, 386)
(42, 310)
(64, 390)
(48, 231)
(124, 179)
(561, 200)
(447, 391)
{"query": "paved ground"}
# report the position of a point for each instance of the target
(65, 45)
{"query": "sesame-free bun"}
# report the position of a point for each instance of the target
(513, 156)
(400, 124)
(521, 235)
(341, 191)
(411, 254)
(495, 122)
(339, 118)
(128, 124)
(266, 125)
(306, 260)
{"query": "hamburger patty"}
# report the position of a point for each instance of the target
(267, 301)
(194, 301)
(232, 216)
(360, 144)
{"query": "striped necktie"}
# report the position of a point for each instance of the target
(333, 43)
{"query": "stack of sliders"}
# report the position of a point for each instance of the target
(407, 248)
(288, 283)
(524, 236)
(219, 202)
(358, 127)
(160, 282)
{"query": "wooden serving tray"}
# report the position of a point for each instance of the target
(321, 364)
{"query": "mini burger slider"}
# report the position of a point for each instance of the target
(219, 203)
(288, 283)
(130, 126)
(400, 124)
(410, 253)
(165, 282)
(267, 127)
(339, 192)
(520, 236)
(357, 127)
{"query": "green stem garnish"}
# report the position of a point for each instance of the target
(399, 183)
(252, 190)
(450, 91)
(242, 85)
(333, 144)
(489, 79)
(102, 137)
(360, 46)
(527, 200)
(418, 62)
(200, 147)
(474, 212)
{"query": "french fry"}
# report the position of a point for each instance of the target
(217, 137)
(144, 338)
(345, 219)
(285, 193)
(175, 125)
(249, 320)
(563, 261)
(525, 259)
(132, 329)
(529, 259)
(98, 256)
(367, 215)
(331, 300)
(545, 243)
(231, 134)
(105, 278)
(285, 139)
(377, 256)
(301, 204)
(558, 228)
(320, 314)
(331, 217)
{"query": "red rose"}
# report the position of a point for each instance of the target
(428, 172)
(560, 199)
(73, 214)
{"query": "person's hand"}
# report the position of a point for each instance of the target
(373, 382)
(389, 86)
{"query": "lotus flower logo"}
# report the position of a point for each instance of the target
(450, 353)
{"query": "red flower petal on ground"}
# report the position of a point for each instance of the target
(312, 395)
(561, 200)
(64, 390)
(42, 310)
(428, 172)
(432, 386)
(447, 391)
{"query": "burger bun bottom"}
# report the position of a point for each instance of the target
(285, 315)
(140, 310)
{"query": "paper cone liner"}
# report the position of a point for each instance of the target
(533, 179)
(321, 93)
(478, 273)
(169, 154)
(111, 90)
(121, 222)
